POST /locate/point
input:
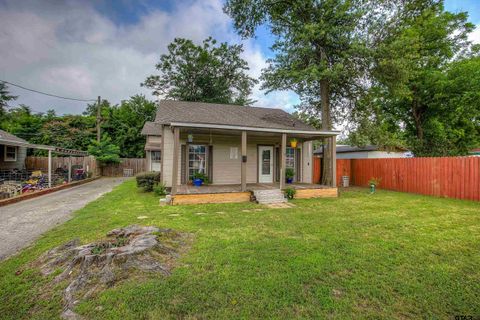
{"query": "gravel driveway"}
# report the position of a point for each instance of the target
(23, 222)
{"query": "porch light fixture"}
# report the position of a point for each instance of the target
(190, 137)
(293, 143)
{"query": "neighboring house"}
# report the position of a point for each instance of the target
(474, 152)
(366, 152)
(232, 145)
(13, 151)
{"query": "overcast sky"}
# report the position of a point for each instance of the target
(83, 49)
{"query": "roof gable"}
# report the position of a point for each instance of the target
(224, 114)
(10, 137)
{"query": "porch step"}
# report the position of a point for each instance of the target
(269, 196)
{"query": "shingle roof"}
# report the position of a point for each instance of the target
(10, 137)
(152, 129)
(224, 114)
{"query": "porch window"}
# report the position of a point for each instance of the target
(10, 153)
(197, 155)
(290, 158)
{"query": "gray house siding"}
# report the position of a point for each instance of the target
(19, 164)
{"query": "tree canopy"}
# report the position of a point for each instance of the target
(209, 72)
(121, 124)
(318, 49)
(424, 76)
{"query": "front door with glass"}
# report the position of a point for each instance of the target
(265, 164)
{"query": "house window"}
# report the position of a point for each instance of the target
(155, 155)
(290, 158)
(197, 156)
(10, 153)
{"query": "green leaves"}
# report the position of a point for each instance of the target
(105, 151)
(209, 72)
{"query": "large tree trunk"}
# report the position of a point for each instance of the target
(326, 125)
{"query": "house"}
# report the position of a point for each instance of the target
(13, 151)
(240, 149)
(365, 152)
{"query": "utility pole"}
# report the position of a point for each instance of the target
(98, 119)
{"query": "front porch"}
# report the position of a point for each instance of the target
(228, 188)
(189, 194)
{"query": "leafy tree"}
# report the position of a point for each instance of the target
(124, 124)
(418, 96)
(319, 50)
(207, 72)
(105, 151)
(68, 131)
(5, 97)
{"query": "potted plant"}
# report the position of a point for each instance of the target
(289, 174)
(199, 178)
(374, 182)
(293, 143)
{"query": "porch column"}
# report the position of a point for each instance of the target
(69, 169)
(283, 152)
(333, 157)
(244, 161)
(162, 155)
(49, 168)
(176, 150)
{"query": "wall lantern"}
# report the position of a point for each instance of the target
(190, 137)
(293, 143)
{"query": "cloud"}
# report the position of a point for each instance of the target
(71, 49)
(475, 35)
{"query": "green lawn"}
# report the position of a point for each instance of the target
(388, 255)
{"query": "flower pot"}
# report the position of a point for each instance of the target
(293, 144)
(289, 180)
(197, 182)
(372, 188)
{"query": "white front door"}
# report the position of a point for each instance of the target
(265, 164)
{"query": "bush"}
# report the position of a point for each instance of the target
(290, 193)
(159, 189)
(147, 180)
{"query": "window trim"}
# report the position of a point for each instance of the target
(5, 154)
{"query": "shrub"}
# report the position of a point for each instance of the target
(290, 193)
(159, 189)
(147, 180)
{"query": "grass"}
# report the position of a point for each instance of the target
(387, 255)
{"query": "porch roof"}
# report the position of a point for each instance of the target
(307, 134)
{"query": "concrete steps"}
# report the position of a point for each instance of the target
(269, 196)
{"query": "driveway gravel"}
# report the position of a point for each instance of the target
(23, 222)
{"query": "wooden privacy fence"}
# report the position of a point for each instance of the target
(134, 165)
(452, 177)
(41, 163)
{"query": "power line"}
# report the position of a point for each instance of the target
(47, 94)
